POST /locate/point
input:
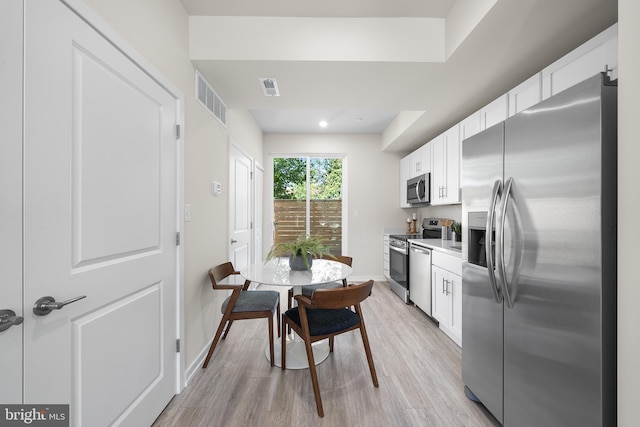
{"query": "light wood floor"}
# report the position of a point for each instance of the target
(418, 368)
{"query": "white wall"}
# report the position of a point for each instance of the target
(628, 209)
(158, 30)
(372, 191)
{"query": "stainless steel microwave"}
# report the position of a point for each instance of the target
(418, 189)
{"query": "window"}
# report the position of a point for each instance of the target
(307, 199)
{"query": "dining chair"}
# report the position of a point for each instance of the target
(308, 289)
(323, 315)
(242, 304)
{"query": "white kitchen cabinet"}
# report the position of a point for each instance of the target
(446, 294)
(526, 94)
(494, 112)
(405, 167)
(470, 126)
(598, 54)
(420, 161)
(445, 167)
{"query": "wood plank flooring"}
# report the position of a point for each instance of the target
(418, 367)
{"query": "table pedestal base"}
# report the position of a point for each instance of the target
(297, 353)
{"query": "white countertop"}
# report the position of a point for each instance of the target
(447, 246)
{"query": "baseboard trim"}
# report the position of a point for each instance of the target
(192, 370)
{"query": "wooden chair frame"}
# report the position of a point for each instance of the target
(219, 273)
(337, 298)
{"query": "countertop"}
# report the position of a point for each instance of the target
(447, 246)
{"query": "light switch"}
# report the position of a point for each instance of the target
(356, 214)
(187, 213)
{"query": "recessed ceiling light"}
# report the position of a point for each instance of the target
(323, 124)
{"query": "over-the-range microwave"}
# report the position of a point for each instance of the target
(418, 189)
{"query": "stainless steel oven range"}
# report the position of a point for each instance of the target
(399, 256)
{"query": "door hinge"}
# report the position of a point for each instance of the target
(178, 345)
(177, 131)
(178, 238)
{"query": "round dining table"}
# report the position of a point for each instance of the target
(276, 272)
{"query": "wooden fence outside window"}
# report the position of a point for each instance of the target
(325, 221)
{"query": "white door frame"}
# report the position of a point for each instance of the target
(258, 212)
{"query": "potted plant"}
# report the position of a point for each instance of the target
(456, 228)
(301, 252)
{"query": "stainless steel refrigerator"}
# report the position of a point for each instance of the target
(539, 262)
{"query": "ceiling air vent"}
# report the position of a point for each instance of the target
(210, 99)
(269, 87)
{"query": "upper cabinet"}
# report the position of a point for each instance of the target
(525, 95)
(495, 112)
(597, 55)
(445, 169)
(470, 126)
(420, 161)
(405, 168)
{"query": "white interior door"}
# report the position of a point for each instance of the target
(239, 208)
(11, 196)
(100, 203)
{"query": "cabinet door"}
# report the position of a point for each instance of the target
(455, 317)
(439, 297)
(420, 161)
(525, 95)
(470, 126)
(425, 155)
(451, 191)
(405, 167)
(438, 170)
(495, 112)
(583, 62)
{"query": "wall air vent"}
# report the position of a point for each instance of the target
(269, 86)
(210, 99)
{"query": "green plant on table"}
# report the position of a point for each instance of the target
(300, 247)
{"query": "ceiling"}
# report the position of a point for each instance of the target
(406, 69)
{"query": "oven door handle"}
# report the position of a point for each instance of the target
(402, 251)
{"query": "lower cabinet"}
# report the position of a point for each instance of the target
(446, 294)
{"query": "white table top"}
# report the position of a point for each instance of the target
(277, 272)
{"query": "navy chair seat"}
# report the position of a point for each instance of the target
(323, 321)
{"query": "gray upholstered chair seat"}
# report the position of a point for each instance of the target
(307, 290)
(254, 301)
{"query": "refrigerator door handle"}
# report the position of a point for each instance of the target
(488, 241)
(501, 263)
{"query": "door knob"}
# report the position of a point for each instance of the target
(46, 305)
(233, 241)
(8, 319)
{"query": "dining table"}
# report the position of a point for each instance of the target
(276, 272)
